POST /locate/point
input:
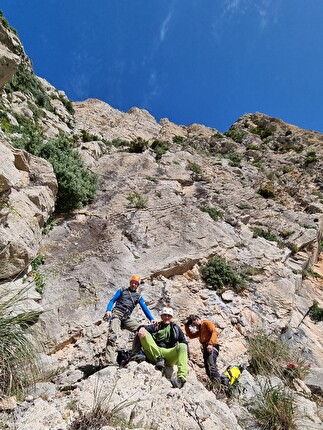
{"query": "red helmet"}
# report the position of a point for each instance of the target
(135, 278)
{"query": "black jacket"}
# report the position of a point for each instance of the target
(176, 335)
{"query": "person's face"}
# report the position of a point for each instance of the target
(166, 318)
(196, 323)
(134, 285)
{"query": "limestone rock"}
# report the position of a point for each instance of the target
(7, 403)
(28, 188)
(314, 380)
(8, 65)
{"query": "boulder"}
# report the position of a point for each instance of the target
(28, 188)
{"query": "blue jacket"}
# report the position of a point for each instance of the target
(125, 301)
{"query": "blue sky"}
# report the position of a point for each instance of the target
(191, 61)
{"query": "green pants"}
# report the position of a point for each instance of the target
(176, 355)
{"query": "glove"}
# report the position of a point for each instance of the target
(107, 316)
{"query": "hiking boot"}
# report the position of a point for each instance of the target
(138, 358)
(178, 382)
(160, 363)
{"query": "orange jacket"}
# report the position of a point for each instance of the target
(207, 333)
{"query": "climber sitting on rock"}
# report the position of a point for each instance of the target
(119, 310)
(164, 344)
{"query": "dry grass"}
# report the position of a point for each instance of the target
(18, 355)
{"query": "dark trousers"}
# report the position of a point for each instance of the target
(210, 359)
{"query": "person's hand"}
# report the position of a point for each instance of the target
(107, 315)
(209, 348)
(142, 332)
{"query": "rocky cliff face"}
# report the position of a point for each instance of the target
(170, 198)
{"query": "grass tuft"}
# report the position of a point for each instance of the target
(273, 409)
(102, 414)
(18, 356)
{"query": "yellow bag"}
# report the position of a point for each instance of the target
(232, 374)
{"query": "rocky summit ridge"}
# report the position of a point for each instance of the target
(169, 198)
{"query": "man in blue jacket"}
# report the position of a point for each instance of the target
(119, 310)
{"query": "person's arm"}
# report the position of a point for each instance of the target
(189, 333)
(182, 339)
(214, 334)
(113, 300)
(151, 328)
(145, 309)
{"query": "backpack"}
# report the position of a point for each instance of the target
(232, 374)
(123, 357)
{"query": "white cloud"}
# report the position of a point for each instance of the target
(266, 10)
(231, 5)
(267, 13)
(153, 88)
(164, 27)
(80, 85)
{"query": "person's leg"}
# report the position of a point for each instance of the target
(211, 364)
(151, 350)
(130, 324)
(136, 346)
(206, 363)
(113, 334)
(177, 355)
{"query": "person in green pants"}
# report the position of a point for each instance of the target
(164, 344)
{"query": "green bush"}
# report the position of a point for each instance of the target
(66, 102)
(138, 145)
(5, 124)
(179, 139)
(160, 148)
(267, 190)
(311, 157)
(252, 146)
(244, 206)
(25, 80)
(37, 275)
(217, 273)
(117, 143)
(76, 184)
(137, 200)
(236, 135)
(259, 232)
(88, 137)
(194, 167)
(262, 132)
(215, 214)
(316, 312)
(235, 159)
(6, 24)
(30, 135)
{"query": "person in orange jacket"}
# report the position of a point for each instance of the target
(207, 334)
